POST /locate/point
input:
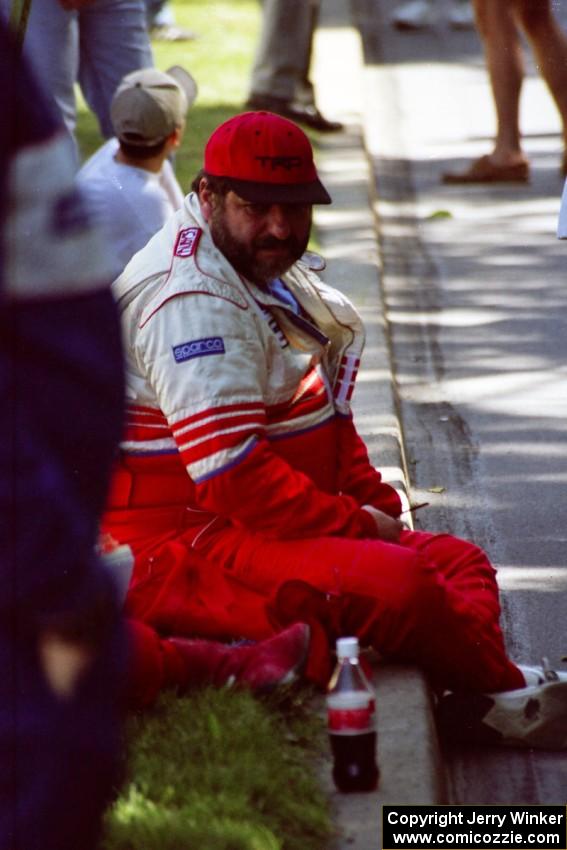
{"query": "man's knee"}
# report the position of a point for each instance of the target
(413, 589)
(425, 592)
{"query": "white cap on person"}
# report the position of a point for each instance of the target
(149, 104)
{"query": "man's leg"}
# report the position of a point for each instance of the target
(498, 30)
(158, 663)
(280, 76)
(505, 65)
(283, 49)
(51, 47)
(114, 40)
(549, 44)
(431, 600)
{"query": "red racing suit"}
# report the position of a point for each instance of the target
(241, 475)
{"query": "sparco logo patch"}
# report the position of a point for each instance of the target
(198, 348)
(187, 241)
(275, 162)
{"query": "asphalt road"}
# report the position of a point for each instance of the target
(476, 295)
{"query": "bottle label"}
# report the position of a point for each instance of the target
(345, 720)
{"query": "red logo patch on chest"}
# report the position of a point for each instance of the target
(187, 241)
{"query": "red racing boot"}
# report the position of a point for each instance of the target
(260, 666)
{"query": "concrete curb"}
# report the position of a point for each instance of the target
(409, 756)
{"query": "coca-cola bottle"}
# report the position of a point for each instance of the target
(351, 721)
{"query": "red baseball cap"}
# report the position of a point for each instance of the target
(265, 159)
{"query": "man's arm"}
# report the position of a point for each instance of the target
(215, 406)
(358, 477)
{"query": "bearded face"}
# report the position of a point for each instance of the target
(260, 241)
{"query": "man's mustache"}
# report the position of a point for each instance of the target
(269, 242)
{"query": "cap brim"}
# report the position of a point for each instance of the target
(186, 82)
(280, 193)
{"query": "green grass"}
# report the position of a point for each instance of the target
(218, 770)
(223, 771)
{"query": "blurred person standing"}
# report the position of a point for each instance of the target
(61, 388)
(69, 665)
(280, 80)
(500, 25)
(92, 42)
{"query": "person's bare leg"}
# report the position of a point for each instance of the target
(498, 29)
(549, 43)
(505, 64)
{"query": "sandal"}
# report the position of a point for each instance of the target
(483, 170)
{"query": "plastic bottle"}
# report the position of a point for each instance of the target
(351, 720)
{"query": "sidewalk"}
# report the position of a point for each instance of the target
(408, 754)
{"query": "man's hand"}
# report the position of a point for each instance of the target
(388, 528)
(64, 662)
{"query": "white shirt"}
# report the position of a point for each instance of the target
(132, 203)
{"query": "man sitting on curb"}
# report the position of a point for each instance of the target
(134, 191)
(130, 181)
(242, 485)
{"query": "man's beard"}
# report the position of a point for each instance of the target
(244, 258)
